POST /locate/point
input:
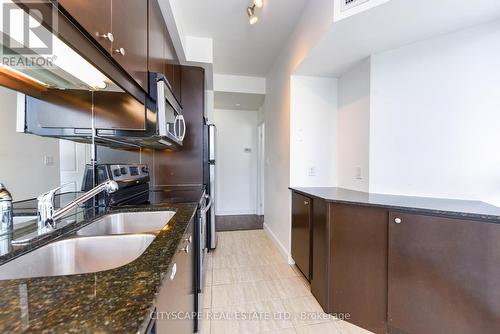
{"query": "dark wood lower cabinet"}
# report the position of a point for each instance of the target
(358, 262)
(176, 297)
(444, 275)
(401, 272)
(301, 233)
(321, 254)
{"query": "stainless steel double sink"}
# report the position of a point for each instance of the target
(110, 242)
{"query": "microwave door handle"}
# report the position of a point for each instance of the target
(182, 133)
(183, 123)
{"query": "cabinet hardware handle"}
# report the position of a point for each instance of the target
(120, 51)
(188, 240)
(398, 220)
(109, 36)
(306, 203)
(185, 249)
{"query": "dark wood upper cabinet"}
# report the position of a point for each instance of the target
(301, 232)
(176, 83)
(94, 16)
(358, 263)
(130, 45)
(444, 275)
(157, 38)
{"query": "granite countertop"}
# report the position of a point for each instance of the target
(474, 210)
(112, 301)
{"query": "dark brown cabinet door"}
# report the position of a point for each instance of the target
(301, 233)
(176, 83)
(94, 16)
(157, 35)
(444, 275)
(130, 45)
(320, 253)
(177, 291)
(358, 263)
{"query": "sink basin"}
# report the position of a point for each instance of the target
(128, 222)
(78, 256)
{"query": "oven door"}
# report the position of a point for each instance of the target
(205, 205)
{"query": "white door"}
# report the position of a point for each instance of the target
(73, 157)
(260, 168)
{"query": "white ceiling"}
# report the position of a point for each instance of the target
(240, 48)
(392, 25)
(238, 101)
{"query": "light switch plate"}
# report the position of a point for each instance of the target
(48, 160)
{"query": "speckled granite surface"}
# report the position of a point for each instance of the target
(474, 210)
(113, 301)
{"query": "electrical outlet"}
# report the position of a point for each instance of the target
(312, 171)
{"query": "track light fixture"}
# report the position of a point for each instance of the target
(252, 17)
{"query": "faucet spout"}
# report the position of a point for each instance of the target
(48, 215)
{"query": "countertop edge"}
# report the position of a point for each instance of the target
(487, 218)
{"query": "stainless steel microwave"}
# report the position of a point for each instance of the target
(170, 121)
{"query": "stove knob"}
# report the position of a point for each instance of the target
(145, 169)
(123, 170)
(116, 172)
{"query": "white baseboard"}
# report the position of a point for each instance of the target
(278, 243)
(235, 212)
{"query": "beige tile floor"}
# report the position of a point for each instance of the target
(250, 288)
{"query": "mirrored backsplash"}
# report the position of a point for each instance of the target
(31, 165)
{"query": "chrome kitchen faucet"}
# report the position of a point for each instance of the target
(48, 215)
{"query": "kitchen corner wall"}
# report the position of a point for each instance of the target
(313, 132)
(316, 18)
(353, 128)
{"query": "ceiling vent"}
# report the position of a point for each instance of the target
(348, 4)
(346, 8)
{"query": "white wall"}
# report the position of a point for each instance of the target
(22, 167)
(236, 169)
(313, 132)
(316, 18)
(435, 117)
(354, 128)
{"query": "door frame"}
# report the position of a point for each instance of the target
(261, 135)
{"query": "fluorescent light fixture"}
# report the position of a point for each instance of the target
(71, 62)
(63, 56)
(258, 3)
(4, 68)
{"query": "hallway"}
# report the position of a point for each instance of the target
(250, 288)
